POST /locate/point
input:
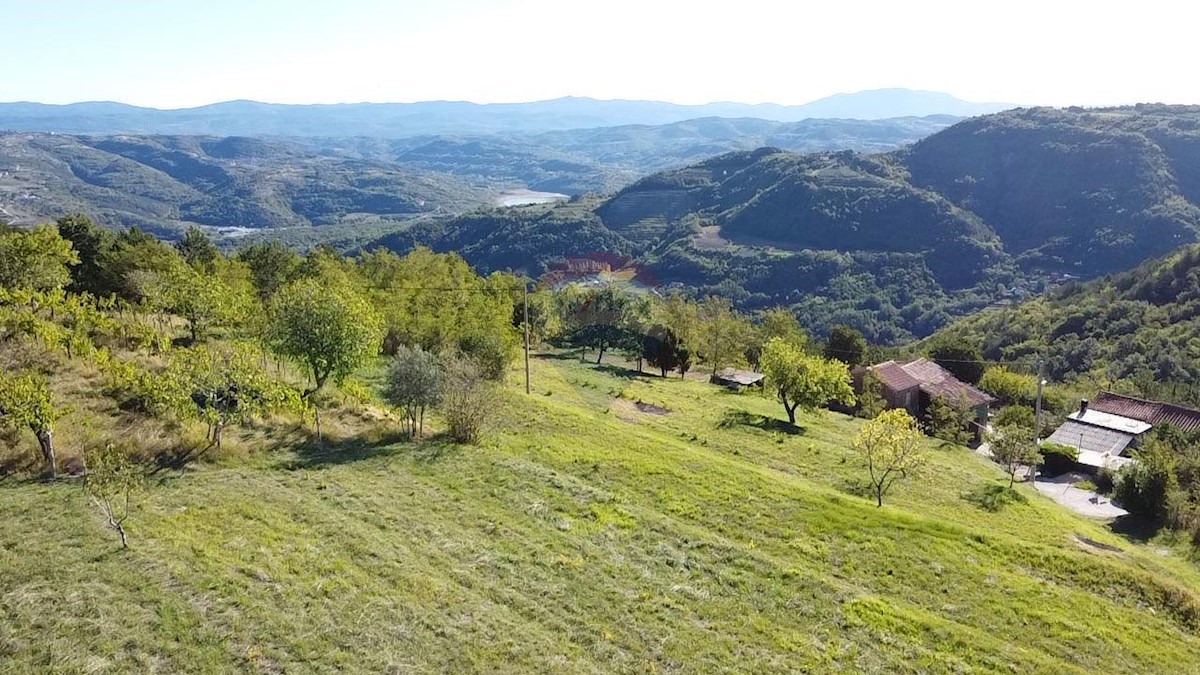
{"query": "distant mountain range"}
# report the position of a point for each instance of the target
(162, 183)
(895, 244)
(397, 120)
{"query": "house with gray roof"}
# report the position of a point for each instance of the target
(1103, 439)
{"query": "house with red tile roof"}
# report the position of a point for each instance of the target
(1151, 412)
(913, 385)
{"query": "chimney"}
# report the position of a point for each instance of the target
(1083, 404)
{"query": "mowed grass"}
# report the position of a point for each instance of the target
(586, 536)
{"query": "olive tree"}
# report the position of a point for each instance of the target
(328, 328)
(892, 446)
(112, 482)
(26, 403)
(415, 383)
(804, 381)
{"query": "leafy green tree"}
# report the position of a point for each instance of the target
(415, 383)
(272, 265)
(134, 263)
(1013, 447)
(1016, 416)
(224, 388)
(92, 244)
(35, 260)
(871, 402)
(950, 420)
(204, 299)
(1143, 487)
(662, 349)
(112, 483)
(892, 447)
(493, 353)
(26, 403)
(598, 318)
(723, 332)
(962, 360)
(775, 323)
(846, 345)
(198, 250)
(329, 328)
(803, 381)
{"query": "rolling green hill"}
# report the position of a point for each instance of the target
(589, 534)
(994, 208)
(163, 183)
(1140, 326)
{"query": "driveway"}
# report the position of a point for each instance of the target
(1083, 502)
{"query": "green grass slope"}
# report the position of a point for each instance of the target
(588, 535)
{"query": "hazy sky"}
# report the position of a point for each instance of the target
(176, 53)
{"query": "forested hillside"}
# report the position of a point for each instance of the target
(992, 209)
(1142, 326)
(163, 183)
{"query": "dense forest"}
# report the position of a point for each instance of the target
(1141, 327)
(993, 209)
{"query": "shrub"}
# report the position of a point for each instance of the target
(1058, 459)
(1142, 487)
(468, 402)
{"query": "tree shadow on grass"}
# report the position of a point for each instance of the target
(993, 497)
(742, 418)
(627, 373)
(1135, 528)
(859, 488)
(315, 454)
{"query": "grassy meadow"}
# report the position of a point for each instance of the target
(610, 523)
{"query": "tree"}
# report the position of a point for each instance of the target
(1013, 447)
(775, 323)
(272, 265)
(1016, 416)
(846, 345)
(415, 383)
(963, 361)
(1143, 487)
(598, 319)
(662, 350)
(328, 328)
(723, 333)
(469, 401)
(872, 402)
(222, 388)
(892, 447)
(950, 420)
(198, 250)
(91, 243)
(35, 260)
(803, 381)
(204, 299)
(26, 402)
(112, 482)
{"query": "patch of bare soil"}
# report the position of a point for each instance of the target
(631, 411)
(1097, 547)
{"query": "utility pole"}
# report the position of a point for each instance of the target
(1037, 425)
(527, 386)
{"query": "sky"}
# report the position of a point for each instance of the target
(182, 53)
